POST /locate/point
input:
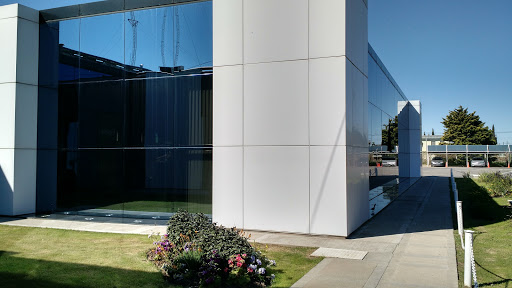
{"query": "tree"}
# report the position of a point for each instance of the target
(494, 134)
(390, 134)
(464, 128)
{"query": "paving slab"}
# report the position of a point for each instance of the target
(354, 274)
(339, 253)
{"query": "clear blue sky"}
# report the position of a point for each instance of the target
(448, 53)
(445, 53)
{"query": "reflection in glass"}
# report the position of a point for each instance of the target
(383, 97)
(101, 47)
(169, 40)
(68, 47)
(133, 112)
(170, 111)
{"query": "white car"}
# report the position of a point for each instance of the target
(478, 162)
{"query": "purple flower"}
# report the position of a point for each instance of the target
(258, 261)
(253, 267)
(261, 271)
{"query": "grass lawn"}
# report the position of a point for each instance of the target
(292, 262)
(492, 243)
(38, 257)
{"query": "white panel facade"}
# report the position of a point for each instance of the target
(19, 31)
(357, 103)
(327, 110)
(6, 181)
(328, 204)
(227, 32)
(357, 187)
(301, 92)
(228, 106)
(24, 181)
(28, 51)
(276, 103)
(357, 34)
(276, 188)
(7, 114)
(8, 34)
(326, 28)
(409, 138)
(26, 116)
(227, 202)
(275, 30)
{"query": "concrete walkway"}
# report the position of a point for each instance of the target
(408, 244)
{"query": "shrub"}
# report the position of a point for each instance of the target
(196, 252)
(497, 184)
(187, 224)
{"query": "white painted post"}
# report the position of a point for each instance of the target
(467, 258)
(460, 222)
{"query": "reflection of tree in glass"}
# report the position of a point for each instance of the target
(390, 134)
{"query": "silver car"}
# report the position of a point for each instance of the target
(388, 161)
(437, 162)
(478, 162)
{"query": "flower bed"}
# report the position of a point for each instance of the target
(196, 252)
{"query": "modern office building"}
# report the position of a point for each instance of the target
(260, 113)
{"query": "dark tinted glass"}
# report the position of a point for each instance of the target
(166, 180)
(130, 105)
(101, 114)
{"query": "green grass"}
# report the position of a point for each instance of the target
(292, 262)
(491, 220)
(39, 257)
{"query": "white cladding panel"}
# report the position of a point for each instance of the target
(228, 106)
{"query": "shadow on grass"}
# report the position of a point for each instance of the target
(479, 208)
(24, 272)
(502, 281)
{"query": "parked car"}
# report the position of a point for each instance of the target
(388, 161)
(437, 162)
(478, 162)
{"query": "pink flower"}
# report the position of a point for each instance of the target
(239, 264)
(226, 270)
(249, 270)
(244, 255)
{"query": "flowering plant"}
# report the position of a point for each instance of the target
(253, 267)
(196, 253)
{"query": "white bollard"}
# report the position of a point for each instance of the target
(467, 258)
(460, 223)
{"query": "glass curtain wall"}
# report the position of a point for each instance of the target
(128, 110)
(383, 97)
